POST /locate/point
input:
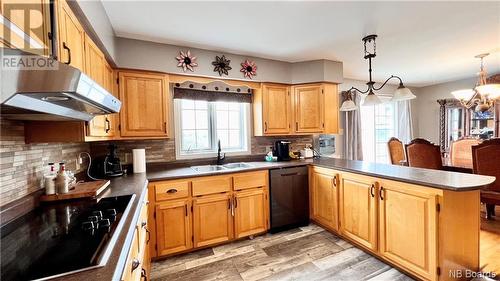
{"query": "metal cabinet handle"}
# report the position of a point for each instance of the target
(381, 192)
(265, 126)
(108, 125)
(69, 53)
(135, 264)
(296, 126)
(149, 235)
(372, 190)
(186, 208)
(144, 275)
(335, 181)
(172, 190)
(235, 202)
(229, 203)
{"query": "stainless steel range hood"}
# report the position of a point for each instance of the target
(39, 88)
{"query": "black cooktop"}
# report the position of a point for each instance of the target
(60, 238)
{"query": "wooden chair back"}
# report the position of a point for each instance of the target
(396, 151)
(461, 152)
(486, 161)
(421, 153)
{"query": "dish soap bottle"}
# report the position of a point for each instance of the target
(61, 181)
(49, 180)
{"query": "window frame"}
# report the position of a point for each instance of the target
(385, 100)
(245, 138)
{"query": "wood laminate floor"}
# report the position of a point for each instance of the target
(306, 253)
(489, 243)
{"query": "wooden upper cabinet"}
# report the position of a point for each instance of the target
(250, 212)
(145, 100)
(309, 108)
(408, 227)
(331, 109)
(71, 37)
(358, 209)
(32, 17)
(323, 196)
(95, 68)
(212, 219)
(276, 109)
(173, 226)
(109, 84)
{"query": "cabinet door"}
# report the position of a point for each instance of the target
(144, 104)
(358, 209)
(309, 109)
(71, 37)
(276, 109)
(95, 69)
(32, 18)
(111, 119)
(323, 201)
(250, 212)
(408, 228)
(173, 227)
(132, 270)
(212, 219)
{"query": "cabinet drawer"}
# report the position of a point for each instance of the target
(249, 180)
(171, 190)
(211, 185)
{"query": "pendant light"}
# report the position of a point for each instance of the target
(402, 93)
(482, 97)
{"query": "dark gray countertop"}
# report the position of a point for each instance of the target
(160, 172)
(432, 178)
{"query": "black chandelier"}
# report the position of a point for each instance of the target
(401, 93)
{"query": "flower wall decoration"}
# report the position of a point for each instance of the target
(249, 68)
(186, 61)
(221, 65)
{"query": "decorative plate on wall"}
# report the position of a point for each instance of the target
(186, 61)
(249, 68)
(221, 65)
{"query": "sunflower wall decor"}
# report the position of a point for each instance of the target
(221, 65)
(186, 61)
(249, 69)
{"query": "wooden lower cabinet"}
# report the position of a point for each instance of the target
(212, 219)
(358, 209)
(224, 208)
(137, 266)
(250, 212)
(173, 226)
(408, 228)
(323, 197)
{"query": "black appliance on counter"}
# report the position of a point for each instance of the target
(108, 166)
(282, 150)
(62, 238)
(289, 198)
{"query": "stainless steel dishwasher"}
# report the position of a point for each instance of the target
(289, 194)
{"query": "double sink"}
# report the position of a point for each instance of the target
(225, 167)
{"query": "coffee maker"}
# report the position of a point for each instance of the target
(282, 150)
(108, 166)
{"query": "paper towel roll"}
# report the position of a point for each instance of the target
(139, 160)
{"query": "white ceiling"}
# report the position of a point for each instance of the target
(423, 42)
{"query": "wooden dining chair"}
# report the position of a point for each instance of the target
(421, 153)
(396, 151)
(486, 161)
(461, 152)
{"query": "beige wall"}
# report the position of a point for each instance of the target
(161, 57)
(426, 108)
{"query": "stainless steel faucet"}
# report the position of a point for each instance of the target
(220, 159)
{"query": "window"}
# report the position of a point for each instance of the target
(378, 124)
(201, 124)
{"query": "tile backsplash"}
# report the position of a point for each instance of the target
(164, 150)
(22, 165)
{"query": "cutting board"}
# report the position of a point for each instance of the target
(81, 190)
